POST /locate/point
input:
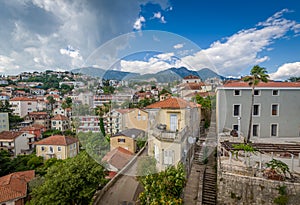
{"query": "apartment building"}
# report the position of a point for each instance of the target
(22, 105)
(16, 142)
(60, 122)
(173, 126)
(276, 108)
(87, 123)
(4, 121)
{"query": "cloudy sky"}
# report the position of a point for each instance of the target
(228, 36)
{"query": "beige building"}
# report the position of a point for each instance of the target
(173, 127)
(135, 118)
(60, 122)
(4, 122)
(16, 142)
(127, 139)
(57, 146)
(22, 105)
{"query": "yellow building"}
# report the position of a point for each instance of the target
(174, 125)
(127, 139)
(57, 146)
(136, 118)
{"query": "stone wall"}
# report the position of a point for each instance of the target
(239, 189)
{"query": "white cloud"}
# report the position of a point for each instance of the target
(241, 50)
(159, 16)
(286, 71)
(154, 64)
(139, 23)
(70, 51)
(179, 45)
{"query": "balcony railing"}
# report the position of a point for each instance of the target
(170, 135)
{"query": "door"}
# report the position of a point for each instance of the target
(173, 122)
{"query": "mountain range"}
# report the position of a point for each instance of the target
(168, 75)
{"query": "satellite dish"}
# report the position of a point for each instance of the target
(191, 140)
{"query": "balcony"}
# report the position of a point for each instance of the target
(166, 135)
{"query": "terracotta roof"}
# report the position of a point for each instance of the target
(118, 157)
(38, 113)
(22, 99)
(123, 111)
(172, 103)
(9, 135)
(14, 186)
(59, 117)
(30, 128)
(57, 140)
(191, 77)
(262, 84)
(39, 126)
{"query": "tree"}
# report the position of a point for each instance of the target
(257, 74)
(165, 187)
(67, 103)
(5, 162)
(51, 101)
(72, 182)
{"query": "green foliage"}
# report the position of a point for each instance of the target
(283, 198)
(140, 142)
(95, 144)
(64, 89)
(279, 166)
(51, 101)
(204, 102)
(164, 91)
(108, 89)
(294, 79)
(49, 133)
(245, 147)
(101, 124)
(163, 188)
(13, 119)
(67, 103)
(146, 166)
(5, 162)
(72, 182)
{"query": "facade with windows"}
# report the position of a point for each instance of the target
(22, 106)
(4, 122)
(171, 123)
(275, 111)
(87, 123)
(57, 146)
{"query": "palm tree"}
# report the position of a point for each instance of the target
(257, 74)
(51, 101)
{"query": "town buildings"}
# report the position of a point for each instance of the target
(276, 108)
(4, 121)
(173, 126)
(16, 142)
(14, 187)
(57, 146)
(22, 105)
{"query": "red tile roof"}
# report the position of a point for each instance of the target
(38, 113)
(118, 157)
(57, 140)
(9, 135)
(59, 117)
(14, 186)
(191, 77)
(172, 103)
(123, 111)
(22, 99)
(262, 84)
(39, 126)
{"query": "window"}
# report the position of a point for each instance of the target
(235, 127)
(275, 110)
(273, 129)
(51, 149)
(59, 149)
(168, 157)
(236, 110)
(156, 153)
(256, 110)
(275, 92)
(121, 140)
(236, 92)
(255, 130)
(173, 122)
(256, 92)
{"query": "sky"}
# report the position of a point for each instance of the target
(146, 36)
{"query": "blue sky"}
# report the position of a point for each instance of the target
(234, 35)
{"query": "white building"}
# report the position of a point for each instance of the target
(16, 142)
(22, 106)
(4, 122)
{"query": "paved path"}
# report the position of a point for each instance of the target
(125, 190)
